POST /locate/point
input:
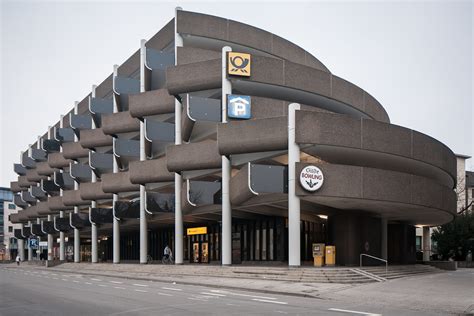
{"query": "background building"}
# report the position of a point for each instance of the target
(5, 196)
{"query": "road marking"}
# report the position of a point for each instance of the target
(281, 312)
(119, 288)
(171, 289)
(215, 294)
(137, 290)
(64, 279)
(164, 294)
(353, 312)
(144, 285)
(53, 274)
(116, 282)
(244, 295)
(55, 279)
(102, 285)
(197, 299)
(75, 281)
(88, 283)
(96, 279)
(268, 301)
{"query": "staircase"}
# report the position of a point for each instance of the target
(401, 271)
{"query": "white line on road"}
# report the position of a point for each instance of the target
(55, 279)
(96, 279)
(119, 288)
(215, 294)
(268, 301)
(88, 283)
(53, 274)
(102, 285)
(197, 299)
(116, 282)
(64, 279)
(164, 294)
(171, 289)
(144, 285)
(353, 312)
(137, 290)
(244, 295)
(75, 281)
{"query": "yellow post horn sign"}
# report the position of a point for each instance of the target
(238, 64)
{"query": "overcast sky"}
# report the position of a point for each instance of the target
(416, 58)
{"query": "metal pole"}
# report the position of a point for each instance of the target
(21, 247)
(116, 223)
(143, 221)
(294, 256)
(178, 181)
(226, 207)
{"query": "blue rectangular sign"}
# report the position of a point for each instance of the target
(238, 106)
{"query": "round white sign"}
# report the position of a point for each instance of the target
(311, 178)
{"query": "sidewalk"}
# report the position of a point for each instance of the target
(275, 280)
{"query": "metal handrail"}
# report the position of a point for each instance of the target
(376, 258)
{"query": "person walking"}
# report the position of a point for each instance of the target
(17, 260)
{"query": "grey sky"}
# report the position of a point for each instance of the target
(416, 58)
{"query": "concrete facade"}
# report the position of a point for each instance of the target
(151, 151)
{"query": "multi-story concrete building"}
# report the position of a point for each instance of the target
(230, 144)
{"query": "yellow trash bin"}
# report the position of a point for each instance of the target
(330, 255)
(318, 254)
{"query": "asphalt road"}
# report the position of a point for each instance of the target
(39, 292)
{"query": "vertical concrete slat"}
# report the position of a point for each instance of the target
(178, 181)
(226, 207)
(294, 213)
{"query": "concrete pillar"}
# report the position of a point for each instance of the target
(21, 249)
(384, 230)
(62, 254)
(426, 243)
(178, 181)
(50, 242)
(226, 171)
(77, 240)
(116, 222)
(94, 248)
(143, 220)
(294, 212)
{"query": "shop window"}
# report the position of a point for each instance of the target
(10, 229)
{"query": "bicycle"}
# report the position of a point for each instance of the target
(167, 260)
(149, 259)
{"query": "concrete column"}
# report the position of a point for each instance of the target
(77, 236)
(30, 250)
(294, 213)
(178, 181)
(116, 223)
(62, 254)
(21, 249)
(50, 243)
(94, 248)
(384, 239)
(143, 220)
(426, 243)
(226, 171)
